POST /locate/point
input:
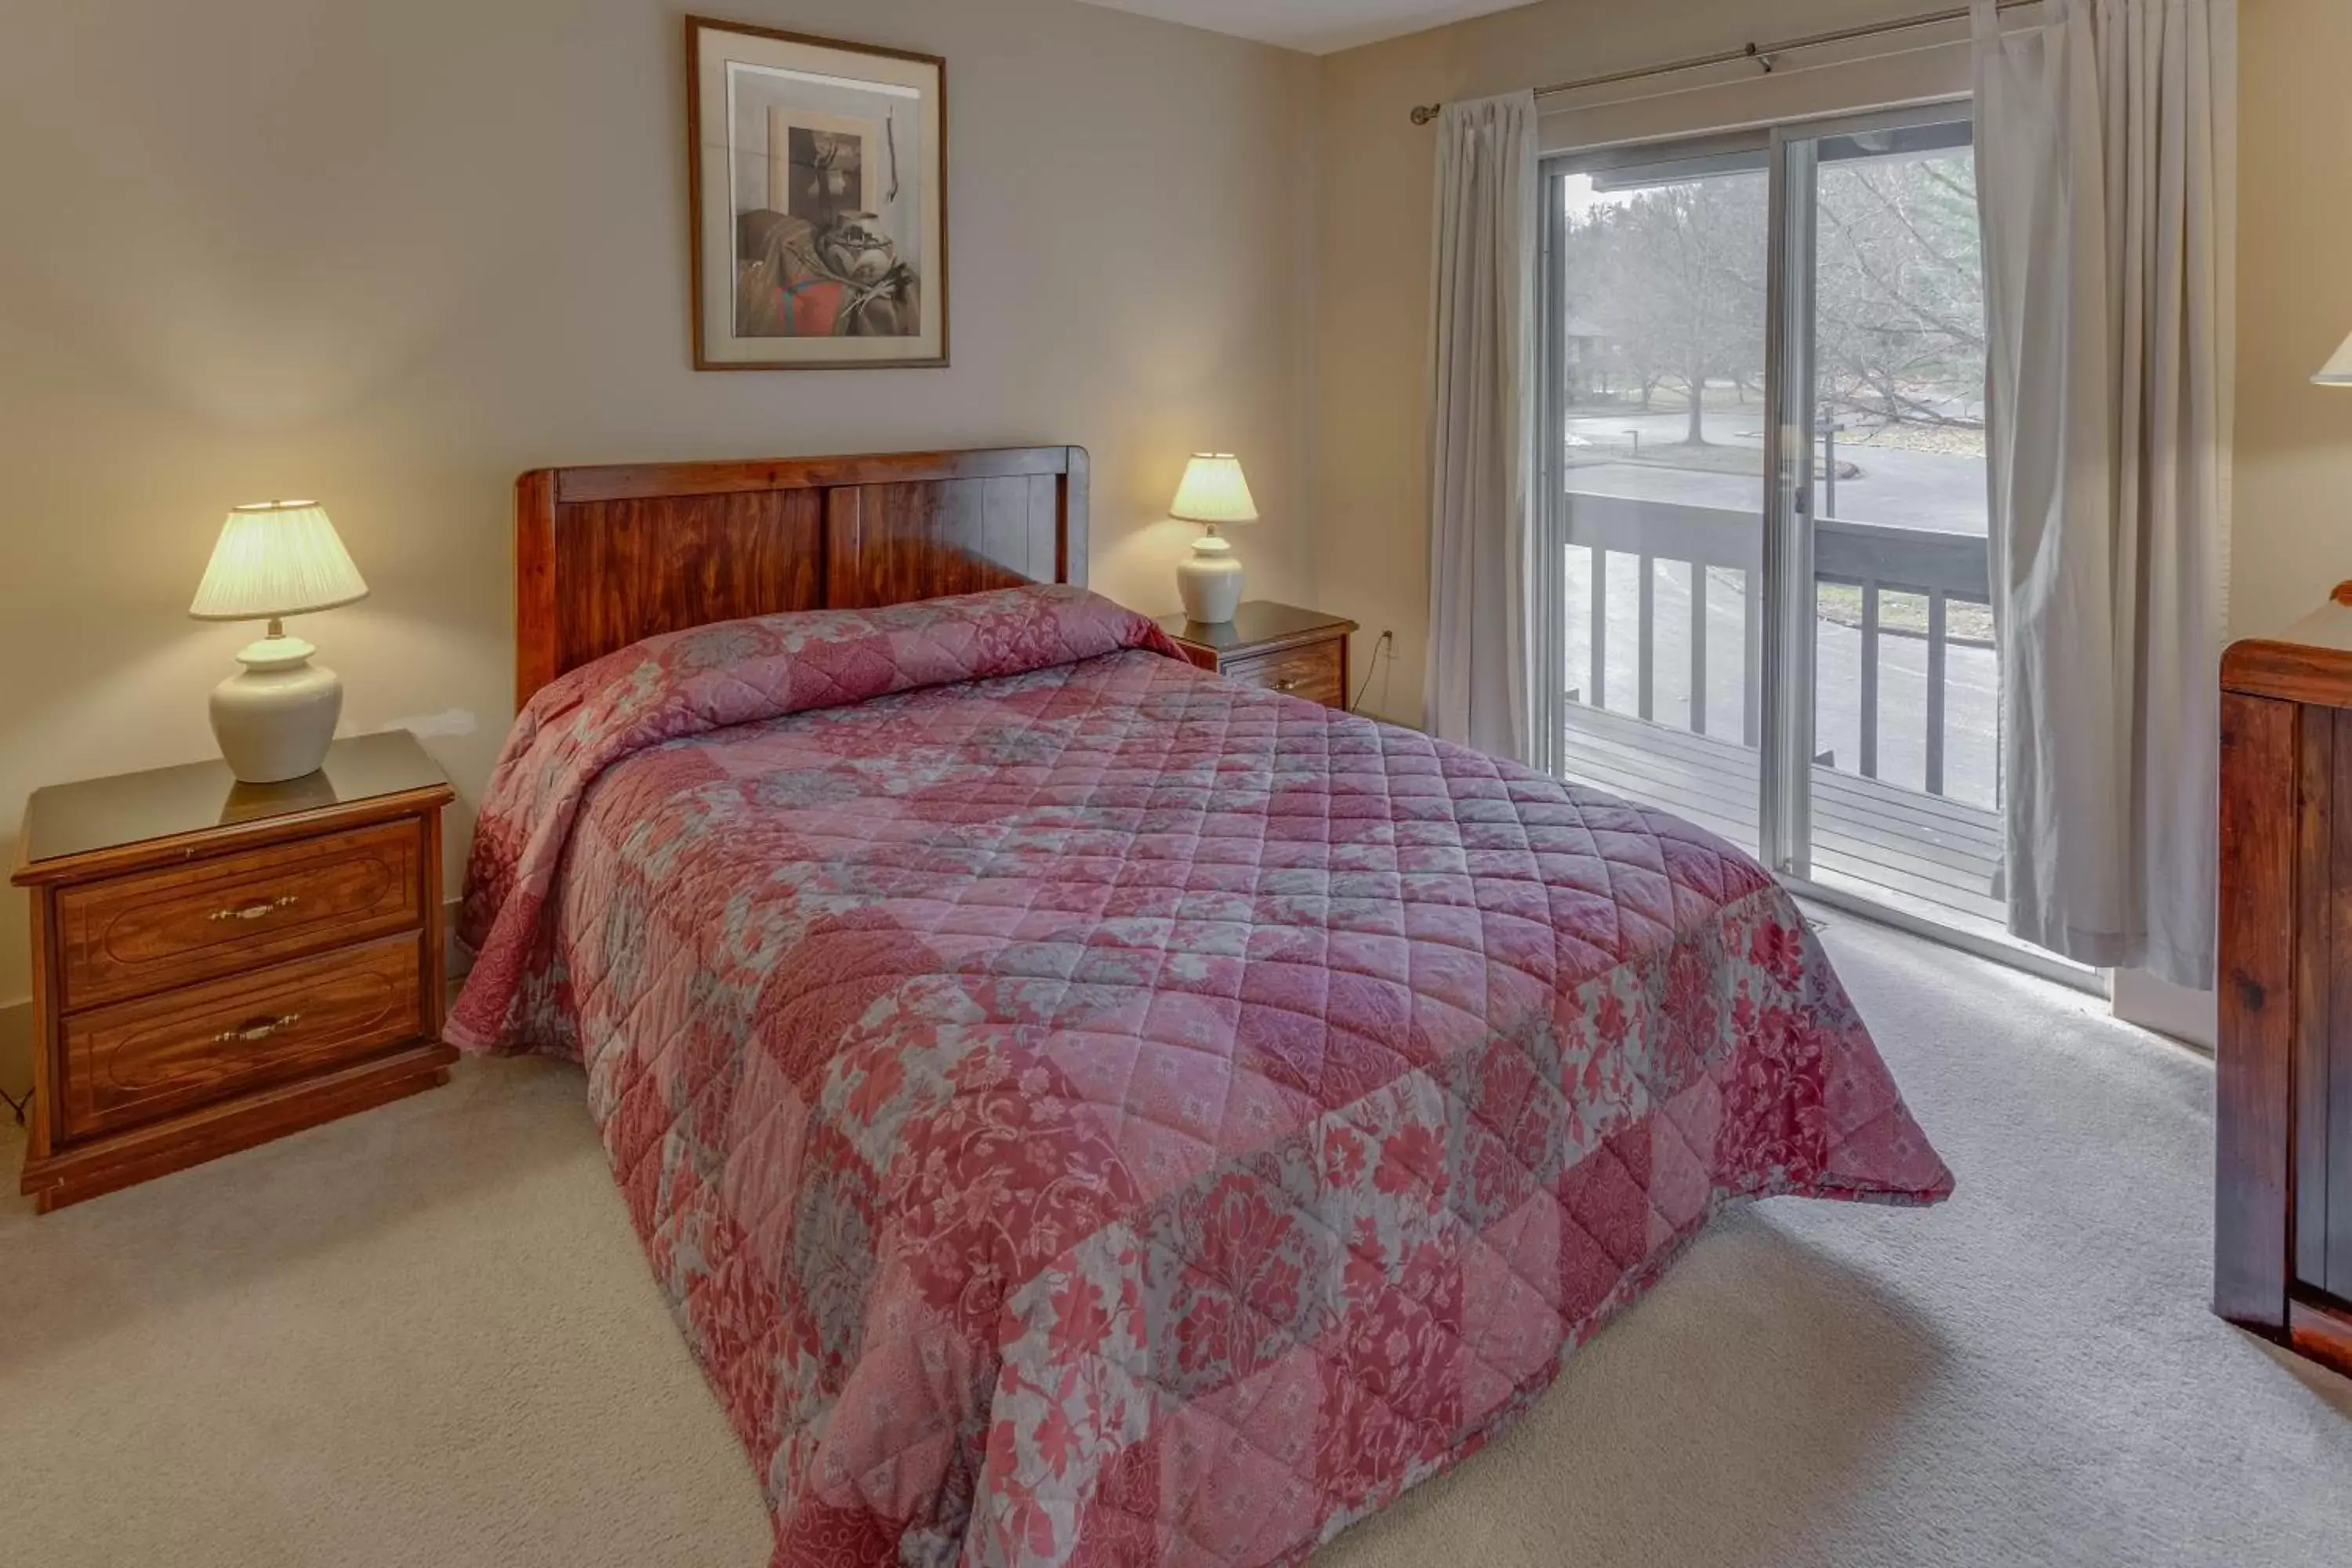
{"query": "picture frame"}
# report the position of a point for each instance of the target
(816, 185)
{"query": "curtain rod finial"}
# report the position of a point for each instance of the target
(1423, 113)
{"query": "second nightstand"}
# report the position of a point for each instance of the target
(215, 964)
(1278, 647)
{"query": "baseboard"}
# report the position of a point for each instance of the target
(16, 1017)
(2189, 1017)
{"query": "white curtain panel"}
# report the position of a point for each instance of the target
(2105, 155)
(1482, 426)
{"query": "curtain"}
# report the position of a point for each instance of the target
(1482, 426)
(2107, 151)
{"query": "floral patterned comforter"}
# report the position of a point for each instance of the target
(1081, 1110)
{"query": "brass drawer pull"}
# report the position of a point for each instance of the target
(1290, 683)
(259, 1029)
(261, 910)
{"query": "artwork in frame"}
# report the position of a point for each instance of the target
(818, 173)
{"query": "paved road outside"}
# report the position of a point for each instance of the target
(1910, 490)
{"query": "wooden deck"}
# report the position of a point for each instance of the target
(1933, 857)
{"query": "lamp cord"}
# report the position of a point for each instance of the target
(17, 1105)
(1385, 648)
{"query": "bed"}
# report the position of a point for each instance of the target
(1079, 1110)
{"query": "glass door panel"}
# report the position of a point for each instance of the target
(1656, 417)
(1882, 405)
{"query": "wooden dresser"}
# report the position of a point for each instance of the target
(1301, 652)
(2283, 1216)
(215, 964)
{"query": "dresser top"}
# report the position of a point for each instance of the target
(63, 822)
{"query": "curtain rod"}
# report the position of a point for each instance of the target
(1762, 54)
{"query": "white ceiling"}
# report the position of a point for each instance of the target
(1317, 27)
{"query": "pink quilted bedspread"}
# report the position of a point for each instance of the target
(1081, 1110)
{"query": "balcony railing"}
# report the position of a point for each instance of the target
(1875, 558)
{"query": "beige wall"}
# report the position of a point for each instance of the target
(391, 254)
(2292, 535)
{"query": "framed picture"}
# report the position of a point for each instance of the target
(817, 171)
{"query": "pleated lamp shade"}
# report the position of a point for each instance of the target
(1215, 492)
(2337, 372)
(276, 558)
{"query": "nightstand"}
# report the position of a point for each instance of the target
(216, 964)
(1278, 647)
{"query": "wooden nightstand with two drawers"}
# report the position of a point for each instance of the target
(216, 964)
(1301, 653)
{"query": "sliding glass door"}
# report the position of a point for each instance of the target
(1766, 496)
(1656, 286)
(1894, 672)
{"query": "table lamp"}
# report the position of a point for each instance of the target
(275, 718)
(2337, 372)
(1214, 492)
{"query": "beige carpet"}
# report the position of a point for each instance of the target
(425, 1336)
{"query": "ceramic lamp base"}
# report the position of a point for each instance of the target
(1210, 580)
(275, 718)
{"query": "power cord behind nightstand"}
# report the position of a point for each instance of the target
(1384, 647)
(17, 1105)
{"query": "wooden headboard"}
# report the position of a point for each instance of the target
(605, 556)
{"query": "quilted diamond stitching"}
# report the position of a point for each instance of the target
(1166, 879)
